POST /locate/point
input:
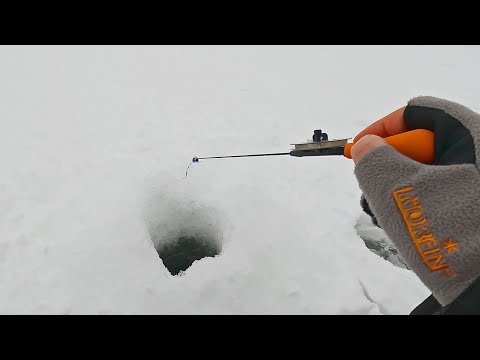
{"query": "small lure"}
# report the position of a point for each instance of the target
(194, 161)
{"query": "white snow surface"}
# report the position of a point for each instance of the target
(94, 144)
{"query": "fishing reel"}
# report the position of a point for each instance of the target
(319, 145)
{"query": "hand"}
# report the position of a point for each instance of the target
(430, 212)
(372, 137)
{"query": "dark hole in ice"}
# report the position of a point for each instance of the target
(182, 231)
(179, 254)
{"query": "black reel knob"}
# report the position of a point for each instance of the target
(318, 136)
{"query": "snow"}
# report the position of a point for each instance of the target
(95, 141)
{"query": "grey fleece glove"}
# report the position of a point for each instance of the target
(431, 212)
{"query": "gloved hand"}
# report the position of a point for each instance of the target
(430, 212)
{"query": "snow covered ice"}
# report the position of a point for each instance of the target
(94, 144)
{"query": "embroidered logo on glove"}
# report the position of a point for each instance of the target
(432, 251)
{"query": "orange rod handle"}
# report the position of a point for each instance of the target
(416, 144)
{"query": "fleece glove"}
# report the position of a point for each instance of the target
(431, 212)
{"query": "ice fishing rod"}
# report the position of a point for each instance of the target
(416, 144)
